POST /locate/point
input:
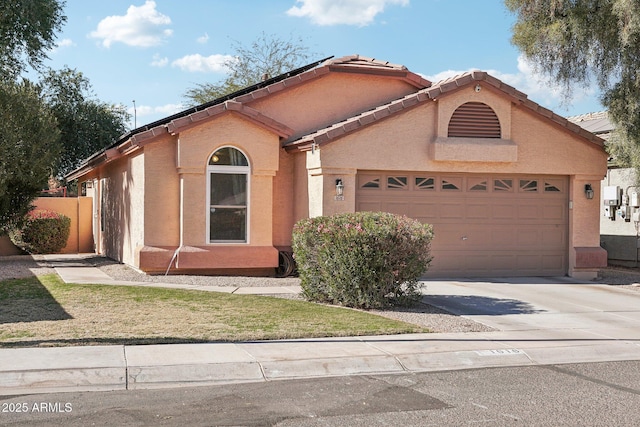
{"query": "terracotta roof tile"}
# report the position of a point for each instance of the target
(596, 122)
(589, 116)
(251, 113)
(148, 135)
(359, 60)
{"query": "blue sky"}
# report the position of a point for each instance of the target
(153, 51)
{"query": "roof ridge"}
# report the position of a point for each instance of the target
(359, 60)
(594, 115)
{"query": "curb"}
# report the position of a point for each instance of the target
(102, 368)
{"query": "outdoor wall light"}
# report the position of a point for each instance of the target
(339, 187)
(588, 191)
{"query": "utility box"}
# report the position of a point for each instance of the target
(611, 195)
(635, 202)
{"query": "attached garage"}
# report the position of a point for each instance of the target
(506, 183)
(484, 225)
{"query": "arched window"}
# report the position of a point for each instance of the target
(227, 196)
(474, 120)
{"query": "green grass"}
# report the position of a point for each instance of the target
(44, 311)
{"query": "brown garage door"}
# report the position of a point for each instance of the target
(484, 225)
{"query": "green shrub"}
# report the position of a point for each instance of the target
(43, 232)
(362, 259)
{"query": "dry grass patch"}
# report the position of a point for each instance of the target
(44, 311)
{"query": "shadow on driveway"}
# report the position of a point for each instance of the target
(469, 305)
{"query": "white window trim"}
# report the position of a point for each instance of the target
(229, 170)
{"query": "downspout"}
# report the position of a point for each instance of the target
(176, 253)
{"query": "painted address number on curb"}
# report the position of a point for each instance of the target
(500, 352)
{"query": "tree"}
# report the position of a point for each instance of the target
(575, 41)
(28, 149)
(27, 32)
(28, 132)
(86, 124)
(268, 55)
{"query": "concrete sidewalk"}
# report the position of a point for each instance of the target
(72, 269)
(537, 325)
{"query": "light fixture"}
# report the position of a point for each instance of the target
(588, 191)
(215, 158)
(478, 88)
(339, 187)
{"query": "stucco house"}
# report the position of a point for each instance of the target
(218, 188)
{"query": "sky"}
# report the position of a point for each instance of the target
(147, 53)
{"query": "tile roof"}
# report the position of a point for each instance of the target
(364, 65)
(352, 124)
(144, 133)
(597, 123)
(353, 63)
(357, 60)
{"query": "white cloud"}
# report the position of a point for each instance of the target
(203, 39)
(142, 26)
(164, 110)
(536, 86)
(204, 64)
(159, 61)
(145, 114)
(348, 12)
(62, 44)
(66, 43)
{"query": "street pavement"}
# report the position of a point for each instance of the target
(537, 321)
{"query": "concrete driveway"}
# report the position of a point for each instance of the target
(547, 305)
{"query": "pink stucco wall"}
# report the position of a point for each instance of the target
(330, 98)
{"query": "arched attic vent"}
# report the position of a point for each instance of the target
(474, 120)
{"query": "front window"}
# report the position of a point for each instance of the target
(228, 173)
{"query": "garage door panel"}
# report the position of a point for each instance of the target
(553, 237)
(554, 212)
(447, 236)
(529, 261)
(479, 211)
(528, 238)
(503, 211)
(420, 210)
(400, 208)
(475, 262)
(452, 210)
(370, 206)
(502, 230)
(553, 262)
(529, 210)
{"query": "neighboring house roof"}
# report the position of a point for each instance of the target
(352, 124)
(233, 102)
(597, 123)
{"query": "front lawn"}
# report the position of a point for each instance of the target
(44, 311)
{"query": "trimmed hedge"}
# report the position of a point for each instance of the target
(43, 232)
(362, 259)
